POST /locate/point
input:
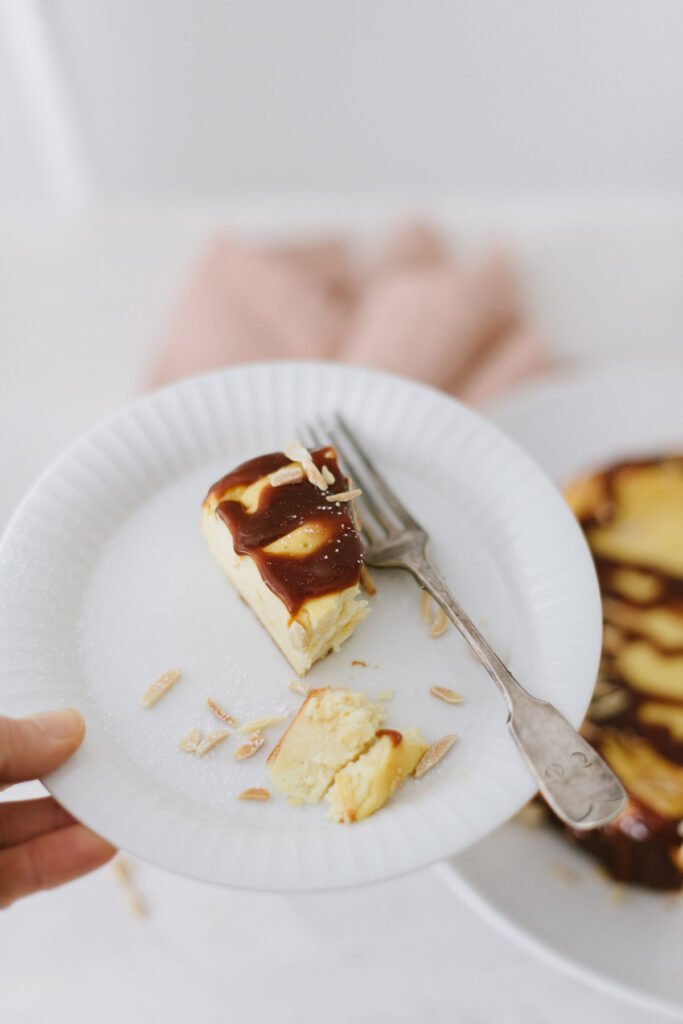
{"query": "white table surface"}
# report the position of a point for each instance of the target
(82, 301)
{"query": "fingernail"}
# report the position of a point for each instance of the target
(60, 725)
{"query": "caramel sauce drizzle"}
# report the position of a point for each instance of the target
(639, 846)
(335, 562)
(394, 736)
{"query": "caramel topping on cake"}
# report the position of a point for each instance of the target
(632, 516)
(303, 544)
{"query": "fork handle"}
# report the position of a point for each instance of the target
(578, 785)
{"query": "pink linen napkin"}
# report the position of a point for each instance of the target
(415, 310)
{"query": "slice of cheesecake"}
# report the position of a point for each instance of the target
(332, 727)
(291, 548)
(632, 516)
(365, 785)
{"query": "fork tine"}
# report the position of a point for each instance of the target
(371, 474)
(315, 435)
(312, 435)
(368, 499)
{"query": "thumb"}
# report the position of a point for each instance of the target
(32, 747)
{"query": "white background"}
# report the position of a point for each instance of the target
(172, 97)
(129, 132)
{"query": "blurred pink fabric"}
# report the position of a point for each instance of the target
(415, 310)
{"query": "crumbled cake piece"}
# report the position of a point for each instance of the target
(332, 727)
(365, 785)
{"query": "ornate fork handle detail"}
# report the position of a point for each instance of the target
(578, 785)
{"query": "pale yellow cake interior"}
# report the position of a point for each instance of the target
(333, 726)
(365, 785)
(322, 624)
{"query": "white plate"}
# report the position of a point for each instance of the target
(519, 878)
(105, 582)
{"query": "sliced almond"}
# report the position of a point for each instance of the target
(426, 607)
(344, 495)
(297, 453)
(292, 474)
(259, 724)
(212, 740)
(359, 661)
(219, 712)
(191, 741)
(328, 474)
(255, 793)
(314, 476)
(366, 581)
(433, 755)
(440, 623)
(355, 514)
(250, 747)
(446, 695)
(299, 686)
(122, 871)
(160, 687)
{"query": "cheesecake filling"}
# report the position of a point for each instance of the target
(632, 516)
(293, 555)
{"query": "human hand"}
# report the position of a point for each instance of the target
(41, 844)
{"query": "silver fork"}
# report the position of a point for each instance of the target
(579, 786)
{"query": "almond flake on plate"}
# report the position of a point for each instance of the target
(191, 741)
(426, 607)
(433, 755)
(123, 873)
(220, 712)
(446, 695)
(344, 495)
(255, 793)
(160, 687)
(440, 623)
(250, 747)
(262, 723)
(299, 686)
(211, 741)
